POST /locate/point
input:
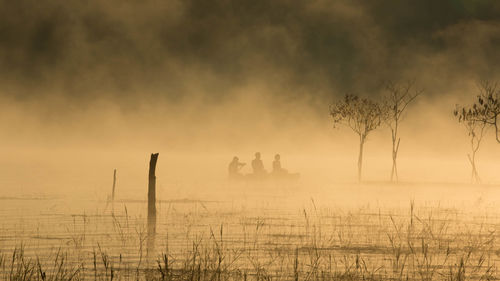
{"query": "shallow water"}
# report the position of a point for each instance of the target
(255, 231)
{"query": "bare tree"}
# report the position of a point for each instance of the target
(361, 115)
(486, 108)
(475, 126)
(397, 100)
(481, 114)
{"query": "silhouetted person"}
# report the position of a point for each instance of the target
(280, 173)
(258, 166)
(234, 168)
(277, 170)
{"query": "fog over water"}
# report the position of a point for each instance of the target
(87, 87)
(92, 87)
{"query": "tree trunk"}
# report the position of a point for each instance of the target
(360, 157)
(395, 149)
(474, 173)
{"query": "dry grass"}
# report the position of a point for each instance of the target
(313, 244)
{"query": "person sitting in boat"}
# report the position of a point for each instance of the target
(280, 173)
(235, 167)
(277, 169)
(258, 166)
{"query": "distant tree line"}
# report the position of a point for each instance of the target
(364, 115)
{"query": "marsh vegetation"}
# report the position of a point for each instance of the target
(259, 239)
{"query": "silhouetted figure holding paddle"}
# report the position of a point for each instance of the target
(235, 167)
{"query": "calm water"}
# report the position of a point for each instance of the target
(255, 230)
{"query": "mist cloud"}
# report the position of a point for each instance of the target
(225, 78)
(123, 50)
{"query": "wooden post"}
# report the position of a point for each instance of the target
(114, 185)
(152, 194)
(151, 206)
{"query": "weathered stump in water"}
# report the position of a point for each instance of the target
(112, 194)
(152, 194)
(152, 203)
(114, 185)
